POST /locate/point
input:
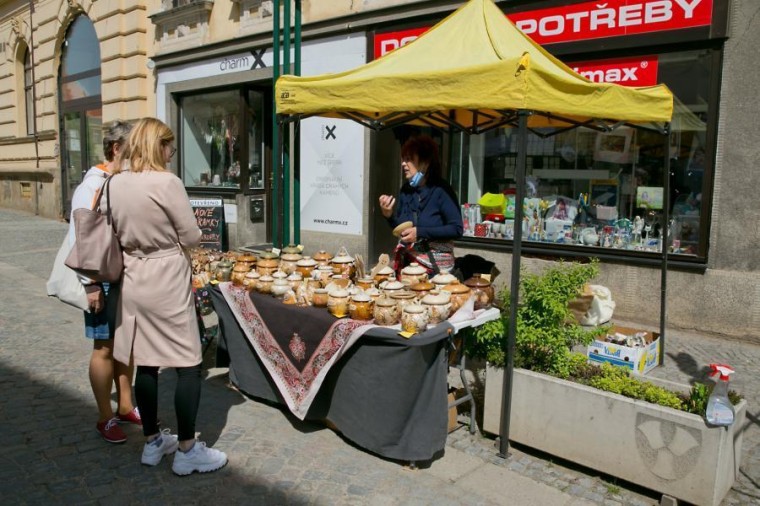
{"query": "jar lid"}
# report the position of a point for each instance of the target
(266, 278)
(385, 302)
(268, 255)
(456, 287)
(422, 286)
(443, 278)
(279, 275)
(281, 282)
(253, 275)
(247, 258)
(225, 263)
(477, 282)
(306, 261)
(385, 271)
(392, 285)
(361, 297)
(339, 293)
(436, 298)
(268, 262)
(291, 257)
(290, 249)
(413, 308)
(322, 255)
(343, 259)
(414, 269)
(241, 267)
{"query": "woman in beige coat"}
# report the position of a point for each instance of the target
(156, 323)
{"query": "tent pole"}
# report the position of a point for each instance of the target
(665, 239)
(286, 140)
(514, 295)
(297, 137)
(275, 127)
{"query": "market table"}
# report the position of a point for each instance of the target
(385, 393)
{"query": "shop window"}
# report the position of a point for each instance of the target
(79, 95)
(222, 141)
(600, 189)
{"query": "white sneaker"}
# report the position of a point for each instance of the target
(199, 458)
(154, 451)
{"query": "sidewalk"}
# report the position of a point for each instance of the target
(52, 452)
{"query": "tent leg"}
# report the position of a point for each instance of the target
(665, 241)
(506, 404)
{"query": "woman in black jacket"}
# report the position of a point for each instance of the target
(430, 204)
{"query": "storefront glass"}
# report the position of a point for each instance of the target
(222, 139)
(591, 188)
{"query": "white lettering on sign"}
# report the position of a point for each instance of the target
(600, 16)
(627, 71)
(241, 62)
(389, 45)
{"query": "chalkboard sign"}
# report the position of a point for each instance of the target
(209, 212)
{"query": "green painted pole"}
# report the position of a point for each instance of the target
(275, 193)
(286, 132)
(297, 139)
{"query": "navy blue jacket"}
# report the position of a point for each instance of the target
(432, 208)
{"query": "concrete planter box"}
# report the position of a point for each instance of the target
(659, 448)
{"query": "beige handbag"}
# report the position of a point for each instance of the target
(96, 253)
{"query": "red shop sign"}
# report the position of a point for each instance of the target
(635, 71)
(587, 20)
(612, 18)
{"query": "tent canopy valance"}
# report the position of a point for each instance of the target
(472, 72)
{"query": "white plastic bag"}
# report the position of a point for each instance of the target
(601, 308)
(64, 284)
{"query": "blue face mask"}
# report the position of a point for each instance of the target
(416, 178)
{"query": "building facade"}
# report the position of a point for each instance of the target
(206, 68)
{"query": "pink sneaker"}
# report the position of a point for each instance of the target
(111, 431)
(131, 417)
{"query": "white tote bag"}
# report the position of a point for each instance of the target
(64, 283)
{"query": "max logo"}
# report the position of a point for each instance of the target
(613, 75)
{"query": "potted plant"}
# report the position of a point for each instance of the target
(600, 417)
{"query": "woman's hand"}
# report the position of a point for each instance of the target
(409, 235)
(95, 299)
(386, 205)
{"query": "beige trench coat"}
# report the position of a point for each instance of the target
(156, 321)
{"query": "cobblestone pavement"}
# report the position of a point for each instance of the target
(51, 452)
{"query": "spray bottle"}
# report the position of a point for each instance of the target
(719, 408)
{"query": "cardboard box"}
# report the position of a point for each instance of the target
(639, 360)
(452, 410)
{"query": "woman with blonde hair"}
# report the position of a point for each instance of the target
(156, 323)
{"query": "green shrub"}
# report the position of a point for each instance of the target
(546, 330)
(546, 333)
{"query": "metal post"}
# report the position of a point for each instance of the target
(665, 241)
(275, 195)
(514, 296)
(297, 137)
(286, 132)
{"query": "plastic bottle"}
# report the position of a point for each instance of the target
(720, 412)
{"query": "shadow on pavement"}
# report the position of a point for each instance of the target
(51, 451)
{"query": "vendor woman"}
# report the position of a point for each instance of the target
(430, 204)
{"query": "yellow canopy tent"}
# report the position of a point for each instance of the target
(471, 71)
(474, 71)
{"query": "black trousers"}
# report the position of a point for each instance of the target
(187, 396)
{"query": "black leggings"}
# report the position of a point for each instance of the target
(187, 396)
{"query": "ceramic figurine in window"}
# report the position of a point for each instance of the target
(638, 226)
